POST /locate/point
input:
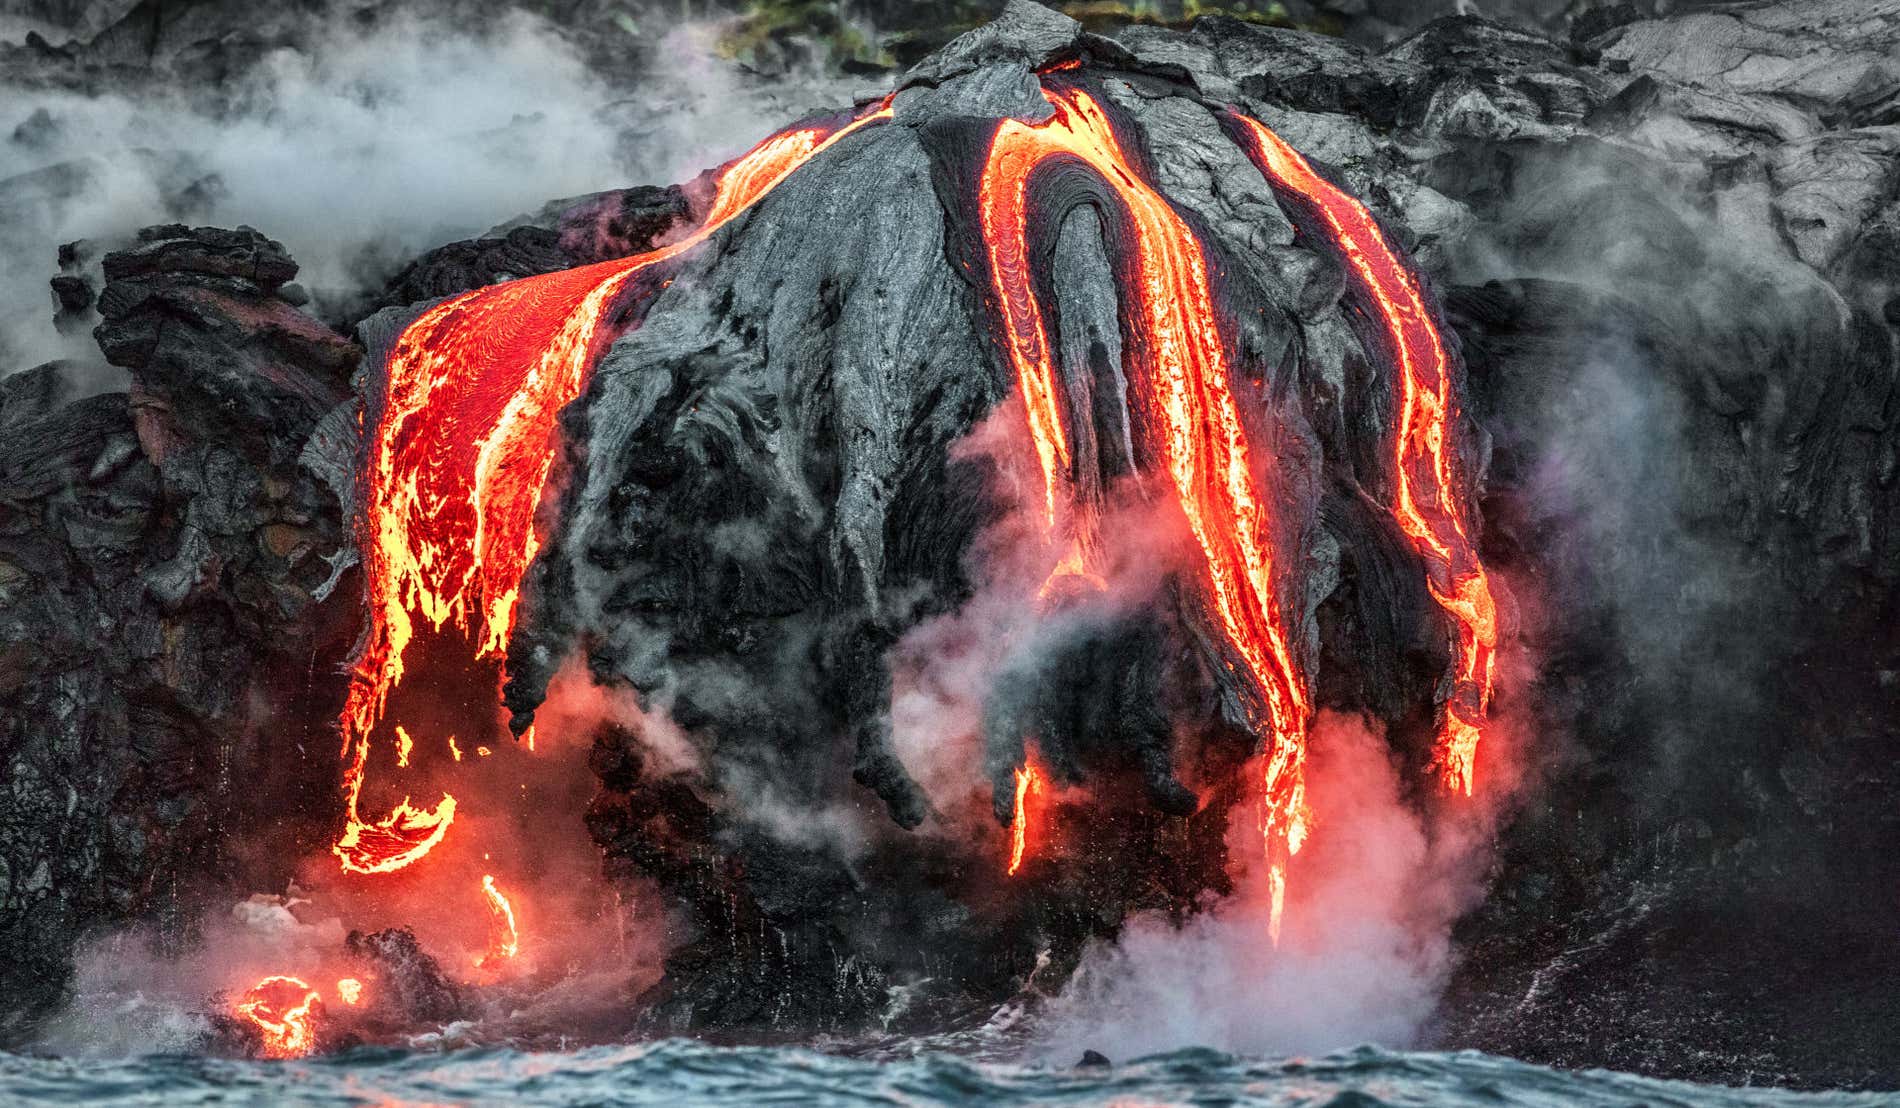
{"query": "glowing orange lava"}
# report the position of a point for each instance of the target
(1072, 569)
(349, 990)
(1427, 507)
(463, 446)
(1197, 421)
(504, 941)
(282, 1010)
(1028, 783)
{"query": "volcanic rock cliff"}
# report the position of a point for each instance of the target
(1665, 251)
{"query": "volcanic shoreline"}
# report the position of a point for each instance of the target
(800, 468)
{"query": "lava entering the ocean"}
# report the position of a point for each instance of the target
(464, 442)
(1181, 372)
(458, 460)
(1426, 505)
(282, 1009)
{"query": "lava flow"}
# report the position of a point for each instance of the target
(1028, 783)
(462, 448)
(282, 1009)
(1198, 425)
(1427, 507)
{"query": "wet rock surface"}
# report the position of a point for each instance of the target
(1667, 248)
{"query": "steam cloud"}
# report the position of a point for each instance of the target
(1635, 485)
(1364, 952)
(359, 151)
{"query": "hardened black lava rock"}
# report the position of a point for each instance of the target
(410, 987)
(566, 233)
(1671, 276)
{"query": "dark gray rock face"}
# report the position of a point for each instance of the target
(1668, 252)
(564, 234)
(166, 650)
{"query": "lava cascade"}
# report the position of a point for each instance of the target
(1426, 504)
(464, 445)
(460, 454)
(504, 940)
(1198, 422)
(457, 463)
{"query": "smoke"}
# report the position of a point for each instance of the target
(1364, 949)
(358, 150)
(945, 670)
(709, 110)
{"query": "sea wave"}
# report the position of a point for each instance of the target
(678, 1072)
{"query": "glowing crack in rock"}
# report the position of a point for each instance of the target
(504, 940)
(1028, 783)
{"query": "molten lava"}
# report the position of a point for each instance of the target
(504, 941)
(1427, 505)
(282, 1009)
(464, 443)
(1028, 783)
(462, 448)
(1183, 371)
(1071, 573)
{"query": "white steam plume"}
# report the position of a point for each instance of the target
(1363, 953)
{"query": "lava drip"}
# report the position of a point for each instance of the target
(1028, 783)
(1195, 418)
(1427, 505)
(504, 940)
(462, 449)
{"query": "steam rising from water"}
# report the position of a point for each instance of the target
(1364, 950)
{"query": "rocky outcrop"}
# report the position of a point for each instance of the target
(164, 562)
(566, 233)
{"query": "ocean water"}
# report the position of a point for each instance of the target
(689, 1073)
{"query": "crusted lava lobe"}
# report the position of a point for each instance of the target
(800, 379)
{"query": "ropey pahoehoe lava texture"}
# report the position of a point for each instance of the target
(1265, 370)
